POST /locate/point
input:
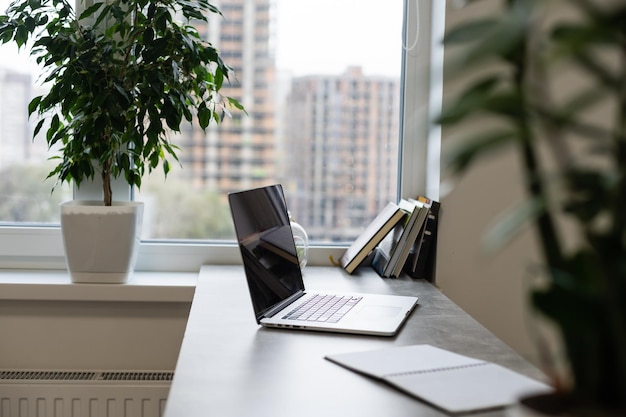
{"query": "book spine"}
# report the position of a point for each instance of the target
(422, 263)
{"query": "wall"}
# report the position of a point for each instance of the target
(91, 335)
(490, 287)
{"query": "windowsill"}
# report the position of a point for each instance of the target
(154, 281)
(55, 285)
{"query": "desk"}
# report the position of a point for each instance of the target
(230, 367)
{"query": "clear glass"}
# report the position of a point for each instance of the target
(26, 196)
(301, 239)
(320, 80)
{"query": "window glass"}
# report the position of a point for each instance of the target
(320, 81)
(25, 195)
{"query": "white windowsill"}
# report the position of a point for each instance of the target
(168, 273)
(55, 285)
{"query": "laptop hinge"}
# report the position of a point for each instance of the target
(276, 308)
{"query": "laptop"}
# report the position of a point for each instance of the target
(279, 297)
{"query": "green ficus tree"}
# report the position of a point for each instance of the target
(123, 75)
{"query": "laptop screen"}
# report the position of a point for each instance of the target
(267, 247)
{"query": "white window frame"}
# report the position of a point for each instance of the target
(42, 247)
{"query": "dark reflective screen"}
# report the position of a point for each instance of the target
(267, 247)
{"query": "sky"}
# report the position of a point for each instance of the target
(317, 37)
(9, 57)
(322, 36)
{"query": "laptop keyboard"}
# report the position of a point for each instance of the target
(326, 308)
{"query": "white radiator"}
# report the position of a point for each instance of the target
(83, 393)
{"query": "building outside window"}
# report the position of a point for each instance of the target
(321, 81)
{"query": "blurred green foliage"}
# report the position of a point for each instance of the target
(524, 53)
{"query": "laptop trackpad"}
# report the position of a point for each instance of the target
(375, 312)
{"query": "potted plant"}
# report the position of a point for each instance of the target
(574, 169)
(122, 76)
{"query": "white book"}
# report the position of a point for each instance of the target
(446, 380)
(376, 231)
(389, 246)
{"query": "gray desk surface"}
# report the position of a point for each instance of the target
(229, 366)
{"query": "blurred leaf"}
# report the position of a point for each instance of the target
(470, 31)
(235, 103)
(588, 194)
(463, 154)
(511, 223)
(471, 100)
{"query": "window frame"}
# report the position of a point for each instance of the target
(42, 247)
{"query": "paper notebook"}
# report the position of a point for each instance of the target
(449, 381)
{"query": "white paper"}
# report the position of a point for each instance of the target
(447, 380)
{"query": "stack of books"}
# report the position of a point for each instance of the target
(402, 238)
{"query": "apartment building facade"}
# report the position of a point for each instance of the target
(239, 153)
(343, 162)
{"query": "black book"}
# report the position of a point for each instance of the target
(421, 263)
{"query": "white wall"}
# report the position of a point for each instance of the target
(490, 287)
(91, 335)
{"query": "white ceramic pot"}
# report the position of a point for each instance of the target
(101, 242)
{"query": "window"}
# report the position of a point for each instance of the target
(327, 128)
